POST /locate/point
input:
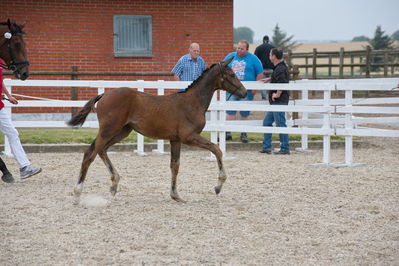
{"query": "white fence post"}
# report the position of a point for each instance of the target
(348, 126)
(214, 121)
(140, 138)
(326, 124)
(160, 143)
(222, 121)
(304, 116)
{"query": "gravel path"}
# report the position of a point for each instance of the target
(274, 210)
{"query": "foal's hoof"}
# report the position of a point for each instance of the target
(217, 190)
(76, 200)
(113, 190)
(178, 199)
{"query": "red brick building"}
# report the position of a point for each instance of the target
(63, 33)
(111, 39)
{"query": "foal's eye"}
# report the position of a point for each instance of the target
(232, 75)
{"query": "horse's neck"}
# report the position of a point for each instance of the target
(205, 88)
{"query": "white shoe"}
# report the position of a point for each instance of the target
(28, 171)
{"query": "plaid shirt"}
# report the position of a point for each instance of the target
(188, 69)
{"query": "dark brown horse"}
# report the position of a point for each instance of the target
(178, 117)
(12, 49)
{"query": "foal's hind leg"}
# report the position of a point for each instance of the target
(114, 174)
(125, 131)
(175, 147)
(88, 158)
(199, 141)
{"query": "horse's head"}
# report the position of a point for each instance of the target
(228, 80)
(12, 49)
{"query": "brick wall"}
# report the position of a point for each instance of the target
(62, 33)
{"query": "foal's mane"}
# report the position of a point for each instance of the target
(17, 28)
(198, 79)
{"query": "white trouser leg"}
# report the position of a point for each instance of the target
(9, 130)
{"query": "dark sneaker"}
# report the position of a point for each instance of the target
(244, 138)
(8, 178)
(265, 151)
(229, 136)
(28, 171)
(281, 152)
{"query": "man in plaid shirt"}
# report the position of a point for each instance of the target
(190, 66)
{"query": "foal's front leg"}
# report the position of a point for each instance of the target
(175, 147)
(199, 141)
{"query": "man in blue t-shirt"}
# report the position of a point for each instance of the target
(247, 67)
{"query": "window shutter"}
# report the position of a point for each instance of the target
(132, 35)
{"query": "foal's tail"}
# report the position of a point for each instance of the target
(79, 118)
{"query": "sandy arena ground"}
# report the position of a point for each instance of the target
(273, 210)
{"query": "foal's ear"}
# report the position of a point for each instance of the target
(228, 61)
(9, 24)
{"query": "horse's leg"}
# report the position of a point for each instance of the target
(197, 140)
(104, 156)
(175, 147)
(88, 158)
(90, 154)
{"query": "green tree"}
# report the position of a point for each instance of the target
(395, 36)
(243, 33)
(381, 41)
(280, 39)
(360, 38)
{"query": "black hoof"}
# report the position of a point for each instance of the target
(217, 190)
(8, 178)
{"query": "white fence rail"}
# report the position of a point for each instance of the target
(335, 116)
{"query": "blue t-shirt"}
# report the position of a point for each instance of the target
(246, 68)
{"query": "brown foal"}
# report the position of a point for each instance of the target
(178, 117)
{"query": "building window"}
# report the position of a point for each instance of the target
(132, 35)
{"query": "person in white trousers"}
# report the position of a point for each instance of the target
(9, 130)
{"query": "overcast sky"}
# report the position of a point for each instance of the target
(315, 20)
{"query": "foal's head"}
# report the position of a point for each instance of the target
(12, 49)
(228, 80)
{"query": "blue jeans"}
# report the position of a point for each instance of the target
(279, 118)
(233, 97)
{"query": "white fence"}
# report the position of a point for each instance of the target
(336, 115)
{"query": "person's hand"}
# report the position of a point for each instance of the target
(265, 80)
(13, 100)
(275, 96)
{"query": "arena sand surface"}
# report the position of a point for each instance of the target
(273, 210)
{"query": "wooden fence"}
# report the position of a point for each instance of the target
(342, 64)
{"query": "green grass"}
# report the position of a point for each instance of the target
(84, 135)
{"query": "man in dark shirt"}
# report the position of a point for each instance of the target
(263, 52)
(277, 97)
